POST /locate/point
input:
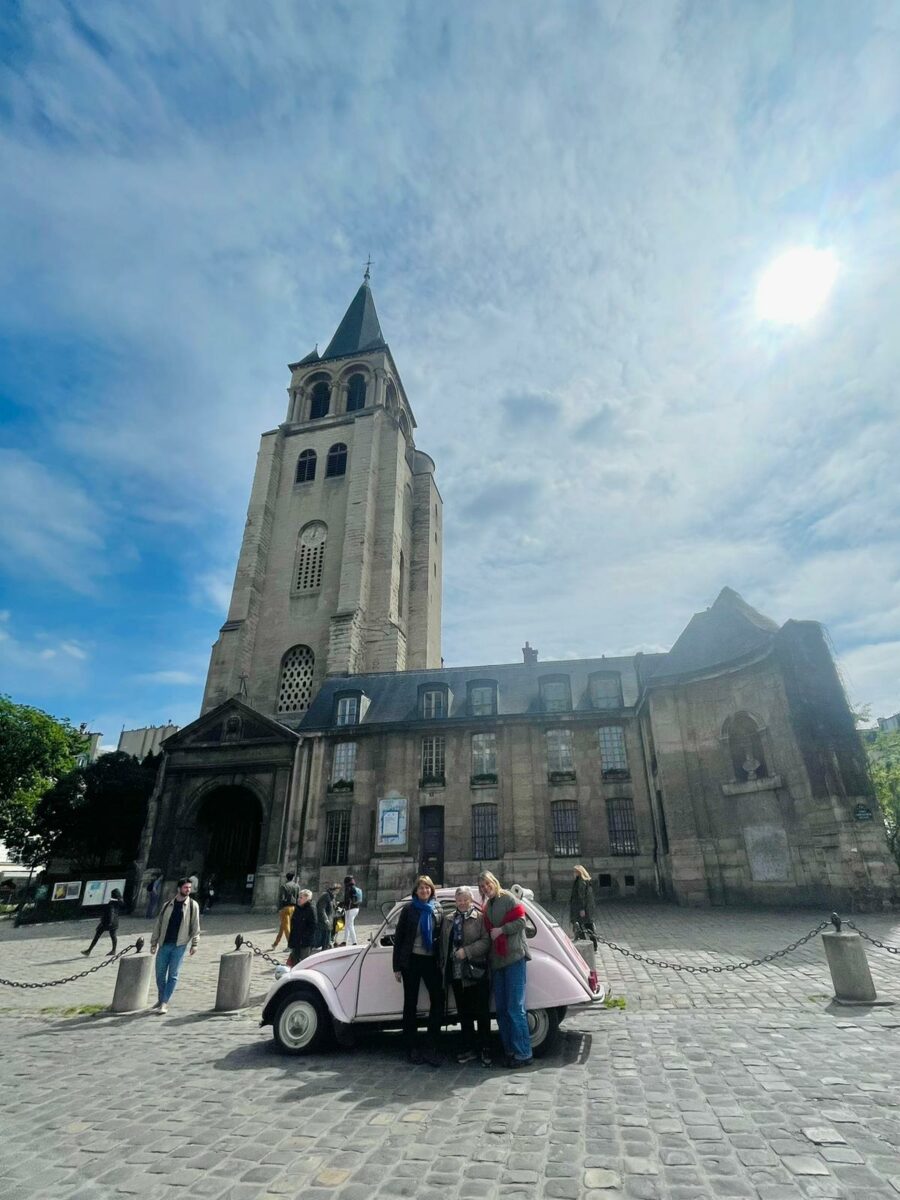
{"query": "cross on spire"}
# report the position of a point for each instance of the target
(368, 271)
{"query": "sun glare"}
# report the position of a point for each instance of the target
(794, 287)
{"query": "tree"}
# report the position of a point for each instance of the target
(883, 750)
(36, 750)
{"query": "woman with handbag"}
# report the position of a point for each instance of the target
(464, 950)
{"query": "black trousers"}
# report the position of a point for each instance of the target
(98, 933)
(473, 1007)
(422, 968)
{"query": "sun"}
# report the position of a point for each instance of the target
(794, 287)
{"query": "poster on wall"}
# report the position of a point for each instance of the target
(111, 885)
(67, 891)
(94, 891)
(391, 829)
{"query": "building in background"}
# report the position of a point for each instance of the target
(92, 753)
(141, 742)
(889, 724)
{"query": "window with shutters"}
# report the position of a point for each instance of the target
(485, 842)
(560, 755)
(306, 466)
(310, 557)
(565, 827)
(336, 462)
(337, 838)
(295, 681)
(484, 758)
(622, 827)
(343, 767)
(613, 755)
(432, 761)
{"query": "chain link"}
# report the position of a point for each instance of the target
(260, 953)
(875, 942)
(18, 983)
(703, 970)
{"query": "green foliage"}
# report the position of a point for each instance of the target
(614, 1002)
(883, 750)
(35, 751)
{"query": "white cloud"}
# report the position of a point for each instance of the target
(186, 678)
(41, 658)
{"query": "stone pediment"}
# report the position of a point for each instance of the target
(232, 723)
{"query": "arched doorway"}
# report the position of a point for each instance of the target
(230, 821)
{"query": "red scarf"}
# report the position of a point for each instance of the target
(514, 914)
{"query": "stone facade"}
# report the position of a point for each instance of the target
(333, 740)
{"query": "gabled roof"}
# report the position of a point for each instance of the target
(210, 729)
(359, 331)
(729, 631)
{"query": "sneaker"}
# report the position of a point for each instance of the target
(486, 1060)
(162, 1010)
(466, 1056)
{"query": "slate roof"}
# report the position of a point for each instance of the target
(728, 632)
(394, 695)
(359, 330)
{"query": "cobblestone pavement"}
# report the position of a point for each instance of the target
(747, 1084)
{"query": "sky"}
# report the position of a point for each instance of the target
(568, 209)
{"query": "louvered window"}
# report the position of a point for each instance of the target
(311, 557)
(295, 684)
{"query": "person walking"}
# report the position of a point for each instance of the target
(154, 888)
(208, 897)
(464, 952)
(352, 900)
(581, 904)
(177, 926)
(416, 950)
(304, 933)
(287, 902)
(325, 916)
(109, 922)
(504, 919)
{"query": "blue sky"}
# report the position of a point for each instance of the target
(568, 208)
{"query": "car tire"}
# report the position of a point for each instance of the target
(301, 1024)
(543, 1025)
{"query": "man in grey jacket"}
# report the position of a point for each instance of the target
(177, 925)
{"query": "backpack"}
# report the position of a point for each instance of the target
(358, 896)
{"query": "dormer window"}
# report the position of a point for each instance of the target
(482, 698)
(556, 694)
(346, 710)
(606, 689)
(434, 703)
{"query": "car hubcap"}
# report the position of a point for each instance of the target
(298, 1024)
(538, 1026)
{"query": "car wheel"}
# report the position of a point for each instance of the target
(301, 1024)
(543, 1026)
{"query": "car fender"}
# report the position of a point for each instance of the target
(301, 978)
(551, 984)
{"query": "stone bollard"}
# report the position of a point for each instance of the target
(849, 968)
(132, 983)
(233, 991)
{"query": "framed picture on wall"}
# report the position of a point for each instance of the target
(391, 828)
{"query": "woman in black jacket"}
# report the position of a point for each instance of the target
(109, 922)
(581, 904)
(302, 939)
(416, 960)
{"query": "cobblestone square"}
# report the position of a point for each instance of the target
(735, 1084)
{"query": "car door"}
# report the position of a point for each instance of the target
(380, 995)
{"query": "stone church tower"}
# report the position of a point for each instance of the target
(340, 566)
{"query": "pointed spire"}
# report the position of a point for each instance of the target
(359, 330)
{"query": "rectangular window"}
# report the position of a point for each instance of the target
(337, 838)
(343, 763)
(555, 695)
(565, 827)
(348, 710)
(606, 691)
(622, 829)
(484, 832)
(484, 755)
(613, 757)
(433, 704)
(560, 752)
(482, 701)
(433, 760)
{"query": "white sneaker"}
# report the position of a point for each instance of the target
(162, 1010)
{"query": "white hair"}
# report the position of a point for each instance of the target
(465, 891)
(307, 893)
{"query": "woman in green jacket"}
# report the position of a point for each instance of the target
(505, 920)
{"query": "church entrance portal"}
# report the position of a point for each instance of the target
(230, 821)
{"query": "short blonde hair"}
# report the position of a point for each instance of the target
(426, 879)
(582, 872)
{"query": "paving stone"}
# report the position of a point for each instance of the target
(805, 1164)
(598, 1177)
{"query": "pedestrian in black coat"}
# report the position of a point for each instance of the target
(302, 939)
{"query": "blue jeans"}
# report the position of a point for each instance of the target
(509, 1004)
(168, 964)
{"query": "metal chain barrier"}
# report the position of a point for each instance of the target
(258, 951)
(106, 962)
(704, 970)
(875, 942)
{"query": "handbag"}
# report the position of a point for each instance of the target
(471, 972)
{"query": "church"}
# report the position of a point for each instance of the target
(332, 740)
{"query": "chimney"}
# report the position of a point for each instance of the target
(529, 655)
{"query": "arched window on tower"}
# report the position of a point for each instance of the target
(336, 463)
(295, 681)
(745, 746)
(356, 393)
(310, 557)
(319, 404)
(306, 466)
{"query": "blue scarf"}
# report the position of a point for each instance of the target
(426, 910)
